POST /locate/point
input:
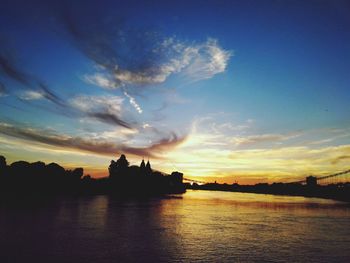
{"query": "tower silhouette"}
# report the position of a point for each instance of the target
(148, 168)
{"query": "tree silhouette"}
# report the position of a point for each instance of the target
(3, 166)
(2, 162)
(119, 167)
(122, 162)
(78, 173)
(24, 179)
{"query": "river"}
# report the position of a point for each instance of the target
(198, 226)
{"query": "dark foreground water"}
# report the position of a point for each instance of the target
(197, 226)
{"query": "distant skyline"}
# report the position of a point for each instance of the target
(227, 91)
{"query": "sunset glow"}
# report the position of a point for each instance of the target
(221, 94)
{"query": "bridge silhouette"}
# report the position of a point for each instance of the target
(195, 181)
(330, 179)
(325, 178)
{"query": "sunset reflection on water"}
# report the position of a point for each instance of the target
(196, 226)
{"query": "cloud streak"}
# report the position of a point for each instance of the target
(99, 146)
(157, 148)
(3, 90)
(263, 138)
(10, 70)
(106, 109)
(109, 118)
(126, 58)
(133, 102)
(195, 62)
(139, 57)
(110, 45)
(31, 95)
(36, 89)
(340, 159)
(101, 80)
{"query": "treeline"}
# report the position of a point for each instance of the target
(22, 177)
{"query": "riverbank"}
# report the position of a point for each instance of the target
(340, 192)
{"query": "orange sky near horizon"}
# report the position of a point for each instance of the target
(201, 157)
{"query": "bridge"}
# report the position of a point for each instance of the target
(194, 181)
(330, 178)
(325, 179)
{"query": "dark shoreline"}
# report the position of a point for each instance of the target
(339, 192)
(22, 180)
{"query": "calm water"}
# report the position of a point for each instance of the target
(197, 226)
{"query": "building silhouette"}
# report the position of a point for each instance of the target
(148, 168)
(142, 165)
(142, 179)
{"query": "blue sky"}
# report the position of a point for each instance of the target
(222, 90)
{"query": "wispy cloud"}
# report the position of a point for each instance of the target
(341, 158)
(197, 62)
(276, 164)
(97, 146)
(133, 102)
(112, 104)
(263, 138)
(208, 60)
(101, 80)
(3, 91)
(157, 148)
(109, 118)
(31, 95)
(127, 58)
(219, 148)
(103, 108)
(111, 45)
(10, 70)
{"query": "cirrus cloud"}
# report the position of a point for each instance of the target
(101, 80)
(194, 61)
(89, 144)
(107, 109)
(31, 95)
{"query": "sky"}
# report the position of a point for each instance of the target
(226, 91)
